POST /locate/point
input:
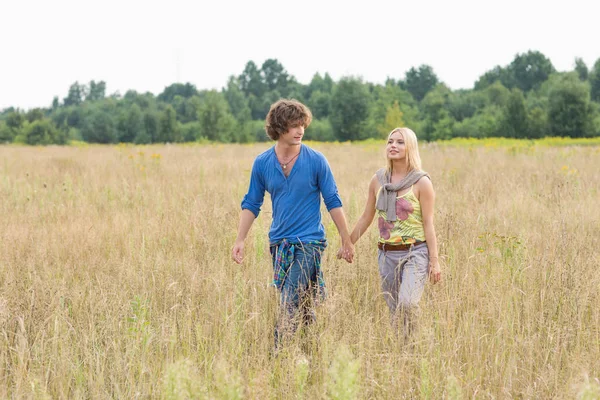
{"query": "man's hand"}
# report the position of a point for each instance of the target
(347, 251)
(237, 254)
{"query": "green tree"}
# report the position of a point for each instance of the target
(74, 116)
(323, 84)
(485, 123)
(134, 126)
(496, 74)
(15, 120)
(569, 110)
(497, 94)
(177, 89)
(186, 109)
(251, 81)
(594, 78)
(514, 116)
(320, 130)
(34, 114)
(384, 97)
(7, 135)
(43, 132)
(538, 123)
(238, 104)
(99, 127)
(530, 70)
(464, 104)
(96, 91)
(420, 81)
(319, 104)
(151, 125)
(393, 119)
(257, 131)
(168, 129)
(439, 124)
(294, 90)
(350, 104)
(13, 126)
(275, 76)
(76, 95)
(434, 105)
(215, 118)
(142, 137)
(581, 69)
(191, 132)
(442, 129)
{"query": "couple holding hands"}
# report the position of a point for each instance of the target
(400, 195)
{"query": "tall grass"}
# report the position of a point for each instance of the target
(116, 279)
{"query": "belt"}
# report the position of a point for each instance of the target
(396, 247)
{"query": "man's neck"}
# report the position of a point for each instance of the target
(286, 150)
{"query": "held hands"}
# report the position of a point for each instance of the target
(435, 272)
(237, 254)
(346, 251)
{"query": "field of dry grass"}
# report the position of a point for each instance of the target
(116, 279)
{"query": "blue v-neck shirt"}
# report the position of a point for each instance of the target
(296, 199)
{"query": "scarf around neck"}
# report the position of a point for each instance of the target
(386, 200)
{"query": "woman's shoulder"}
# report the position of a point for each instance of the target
(424, 180)
(380, 176)
(375, 182)
(423, 185)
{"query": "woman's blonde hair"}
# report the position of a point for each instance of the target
(413, 159)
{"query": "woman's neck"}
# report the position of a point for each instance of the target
(399, 169)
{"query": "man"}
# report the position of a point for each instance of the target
(295, 176)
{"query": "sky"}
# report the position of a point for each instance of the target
(45, 46)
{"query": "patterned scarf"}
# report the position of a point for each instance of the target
(386, 200)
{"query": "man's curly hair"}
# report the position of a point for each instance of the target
(285, 114)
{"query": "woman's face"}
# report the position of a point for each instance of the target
(396, 148)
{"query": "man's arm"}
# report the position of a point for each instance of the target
(332, 201)
(250, 209)
(339, 219)
(247, 217)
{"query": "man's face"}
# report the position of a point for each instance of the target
(294, 135)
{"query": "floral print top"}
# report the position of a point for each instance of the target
(408, 227)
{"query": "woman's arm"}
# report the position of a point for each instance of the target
(366, 218)
(427, 200)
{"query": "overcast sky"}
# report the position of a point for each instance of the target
(147, 45)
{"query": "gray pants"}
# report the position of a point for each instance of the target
(403, 277)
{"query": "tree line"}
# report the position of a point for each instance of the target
(527, 98)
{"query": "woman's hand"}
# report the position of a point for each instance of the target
(346, 252)
(435, 271)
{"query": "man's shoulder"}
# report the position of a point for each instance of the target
(264, 156)
(312, 153)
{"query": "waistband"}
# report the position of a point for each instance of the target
(397, 247)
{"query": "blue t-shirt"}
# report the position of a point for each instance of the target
(296, 199)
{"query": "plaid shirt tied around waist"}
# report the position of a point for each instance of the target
(283, 258)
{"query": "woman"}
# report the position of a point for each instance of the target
(402, 196)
